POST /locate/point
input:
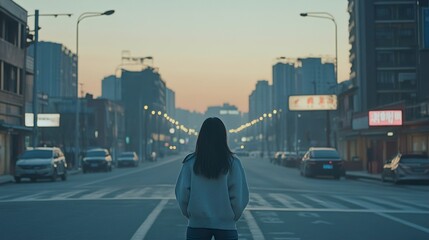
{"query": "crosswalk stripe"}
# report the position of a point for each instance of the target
(330, 205)
(413, 203)
(390, 203)
(66, 195)
(133, 193)
(259, 200)
(32, 196)
(364, 204)
(98, 194)
(288, 201)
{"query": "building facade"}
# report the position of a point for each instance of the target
(389, 71)
(111, 88)
(56, 66)
(170, 96)
(13, 83)
(145, 127)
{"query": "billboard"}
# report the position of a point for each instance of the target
(312, 102)
(385, 118)
(43, 120)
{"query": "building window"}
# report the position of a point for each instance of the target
(395, 35)
(383, 12)
(394, 12)
(10, 78)
(11, 31)
(386, 80)
(398, 58)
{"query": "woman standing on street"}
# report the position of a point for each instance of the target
(212, 189)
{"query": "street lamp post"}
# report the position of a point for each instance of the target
(35, 76)
(326, 15)
(82, 17)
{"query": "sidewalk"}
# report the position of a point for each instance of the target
(363, 174)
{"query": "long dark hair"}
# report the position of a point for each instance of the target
(213, 156)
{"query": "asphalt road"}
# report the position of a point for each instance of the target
(139, 203)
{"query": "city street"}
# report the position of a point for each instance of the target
(139, 203)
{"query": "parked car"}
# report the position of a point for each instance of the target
(128, 159)
(36, 163)
(290, 159)
(97, 159)
(322, 161)
(406, 167)
(276, 159)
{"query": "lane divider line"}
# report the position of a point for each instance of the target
(144, 228)
(253, 226)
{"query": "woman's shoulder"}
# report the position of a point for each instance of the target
(189, 157)
(235, 159)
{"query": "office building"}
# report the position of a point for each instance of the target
(56, 66)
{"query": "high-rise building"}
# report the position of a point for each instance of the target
(170, 102)
(111, 88)
(260, 100)
(389, 58)
(387, 52)
(144, 130)
(315, 77)
(56, 69)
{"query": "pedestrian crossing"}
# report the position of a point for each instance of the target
(258, 200)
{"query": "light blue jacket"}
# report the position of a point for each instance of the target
(212, 203)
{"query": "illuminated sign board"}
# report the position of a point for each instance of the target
(385, 118)
(43, 120)
(312, 102)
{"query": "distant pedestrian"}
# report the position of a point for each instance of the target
(212, 189)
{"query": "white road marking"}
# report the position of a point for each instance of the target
(259, 200)
(133, 193)
(66, 195)
(324, 203)
(98, 194)
(288, 201)
(253, 226)
(409, 224)
(144, 228)
(30, 197)
(363, 204)
(333, 210)
(390, 203)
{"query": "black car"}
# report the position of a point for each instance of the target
(97, 159)
(406, 167)
(322, 161)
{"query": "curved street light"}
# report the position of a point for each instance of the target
(77, 130)
(326, 15)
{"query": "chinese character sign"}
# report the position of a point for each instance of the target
(385, 118)
(312, 102)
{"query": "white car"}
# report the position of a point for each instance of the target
(46, 162)
(128, 159)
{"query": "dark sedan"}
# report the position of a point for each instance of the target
(406, 167)
(322, 161)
